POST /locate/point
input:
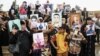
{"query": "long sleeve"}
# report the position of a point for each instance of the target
(13, 39)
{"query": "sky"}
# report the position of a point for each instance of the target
(91, 5)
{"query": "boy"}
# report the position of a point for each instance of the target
(62, 45)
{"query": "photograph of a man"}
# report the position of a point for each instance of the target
(56, 19)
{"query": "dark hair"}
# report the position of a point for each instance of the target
(67, 28)
(22, 22)
(57, 14)
(34, 17)
(63, 27)
(24, 2)
(88, 18)
(45, 34)
(15, 26)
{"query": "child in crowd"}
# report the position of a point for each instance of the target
(62, 44)
(45, 51)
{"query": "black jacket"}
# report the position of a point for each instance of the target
(24, 38)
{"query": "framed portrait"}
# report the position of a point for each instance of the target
(34, 20)
(90, 30)
(56, 19)
(12, 22)
(74, 19)
(42, 26)
(38, 39)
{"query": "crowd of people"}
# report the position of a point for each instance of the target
(63, 34)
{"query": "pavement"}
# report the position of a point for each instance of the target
(97, 51)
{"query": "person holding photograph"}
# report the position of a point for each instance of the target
(13, 37)
(62, 44)
(76, 38)
(52, 31)
(45, 51)
(34, 50)
(96, 20)
(23, 11)
(25, 40)
(90, 36)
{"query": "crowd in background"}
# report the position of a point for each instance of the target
(59, 41)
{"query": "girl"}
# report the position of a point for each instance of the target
(46, 49)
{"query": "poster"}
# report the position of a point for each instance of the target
(57, 19)
(90, 29)
(42, 26)
(38, 39)
(74, 19)
(11, 22)
(34, 20)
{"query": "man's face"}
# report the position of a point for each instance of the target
(89, 21)
(56, 18)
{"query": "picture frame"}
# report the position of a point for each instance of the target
(11, 22)
(74, 18)
(57, 19)
(42, 26)
(38, 39)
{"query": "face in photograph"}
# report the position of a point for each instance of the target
(56, 18)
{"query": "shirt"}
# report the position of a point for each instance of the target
(61, 44)
(74, 44)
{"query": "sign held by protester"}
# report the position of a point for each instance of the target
(38, 39)
(11, 22)
(56, 19)
(74, 19)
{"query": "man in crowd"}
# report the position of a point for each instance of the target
(96, 20)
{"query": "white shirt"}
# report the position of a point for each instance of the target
(95, 19)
